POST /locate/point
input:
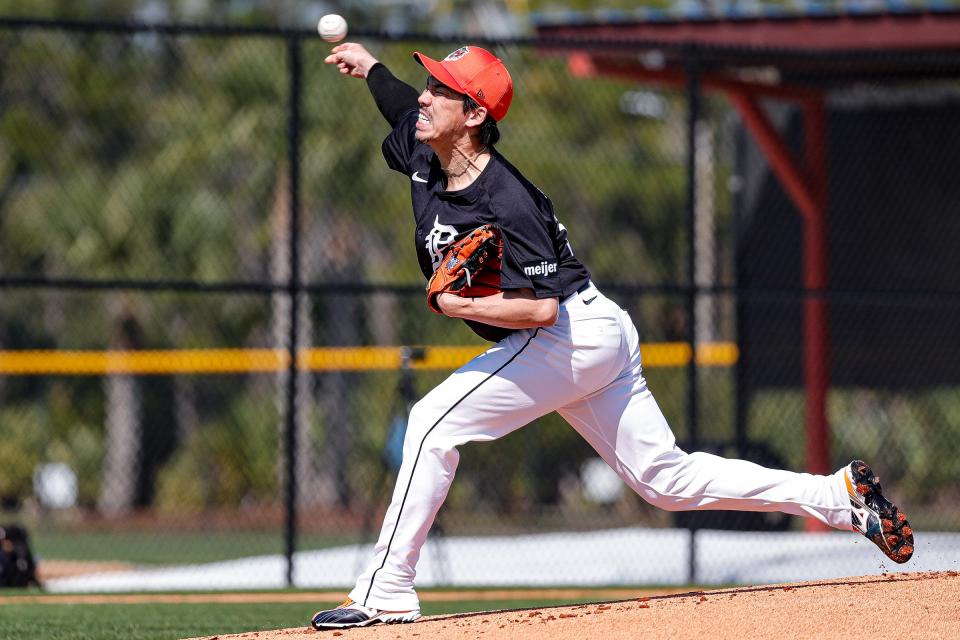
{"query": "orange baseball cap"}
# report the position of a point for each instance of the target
(475, 72)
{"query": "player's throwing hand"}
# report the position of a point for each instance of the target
(352, 59)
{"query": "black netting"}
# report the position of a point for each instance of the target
(148, 282)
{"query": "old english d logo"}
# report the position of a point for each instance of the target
(456, 55)
(439, 238)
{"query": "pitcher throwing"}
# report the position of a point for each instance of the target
(560, 344)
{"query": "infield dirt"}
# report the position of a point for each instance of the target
(908, 605)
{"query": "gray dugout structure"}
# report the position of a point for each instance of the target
(877, 215)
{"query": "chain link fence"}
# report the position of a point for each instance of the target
(212, 322)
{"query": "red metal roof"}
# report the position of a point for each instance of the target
(884, 31)
(802, 50)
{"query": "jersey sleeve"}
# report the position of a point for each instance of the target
(394, 97)
(399, 145)
(530, 260)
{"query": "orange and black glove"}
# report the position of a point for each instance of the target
(470, 267)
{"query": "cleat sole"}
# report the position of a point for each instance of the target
(894, 535)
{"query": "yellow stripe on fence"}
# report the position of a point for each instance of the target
(141, 362)
(207, 361)
(380, 358)
(677, 354)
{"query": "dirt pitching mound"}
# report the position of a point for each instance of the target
(912, 605)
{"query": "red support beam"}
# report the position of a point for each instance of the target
(584, 64)
(791, 174)
(806, 184)
(816, 329)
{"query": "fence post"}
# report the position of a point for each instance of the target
(693, 114)
(293, 290)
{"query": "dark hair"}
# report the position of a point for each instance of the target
(489, 133)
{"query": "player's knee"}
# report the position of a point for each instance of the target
(664, 501)
(666, 498)
(418, 423)
(422, 425)
(665, 485)
(424, 414)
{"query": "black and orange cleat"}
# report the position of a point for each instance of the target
(352, 614)
(876, 517)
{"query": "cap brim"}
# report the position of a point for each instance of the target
(438, 71)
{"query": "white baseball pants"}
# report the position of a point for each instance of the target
(586, 367)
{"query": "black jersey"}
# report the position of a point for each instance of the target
(536, 254)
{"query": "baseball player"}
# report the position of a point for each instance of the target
(560, 345)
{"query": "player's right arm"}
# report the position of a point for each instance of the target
(511, 309)
(394, 97)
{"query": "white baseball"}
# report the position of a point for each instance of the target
(332, 27)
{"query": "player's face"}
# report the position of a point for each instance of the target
(441, 113)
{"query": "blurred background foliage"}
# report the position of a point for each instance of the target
(150, 157)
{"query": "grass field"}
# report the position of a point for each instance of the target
(141, 548)
(173, 621)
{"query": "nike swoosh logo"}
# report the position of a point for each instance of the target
(416, 178)
(590, 300)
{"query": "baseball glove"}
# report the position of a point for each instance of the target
(470, 268)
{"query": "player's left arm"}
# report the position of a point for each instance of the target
(510, 309)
